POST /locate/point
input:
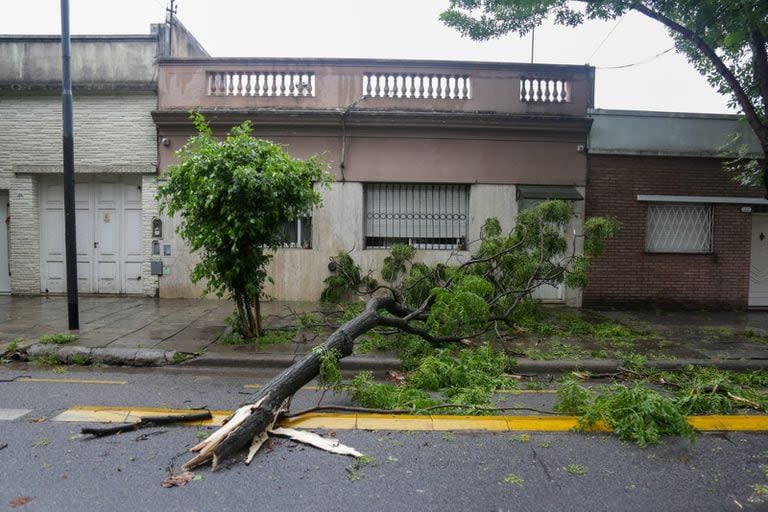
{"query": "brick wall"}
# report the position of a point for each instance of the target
(110, 130)
(628, 276)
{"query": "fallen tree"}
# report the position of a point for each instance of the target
(442, 304)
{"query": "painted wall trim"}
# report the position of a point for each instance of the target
(651, 198)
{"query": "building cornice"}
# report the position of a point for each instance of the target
(379, 118)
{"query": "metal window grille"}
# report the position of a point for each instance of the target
(298, 233)
(685, 228)
(423, 216)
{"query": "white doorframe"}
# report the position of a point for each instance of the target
(758, 262)
(5, 253)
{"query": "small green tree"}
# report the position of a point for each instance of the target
(725, 40)
(234, 197)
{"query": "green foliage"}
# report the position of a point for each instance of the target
(80, 359)
(308, 319)
(704, 390)
(395, 264)
(345, 280)
(59, 338)
(513, 479)
(419, 283)
(233, 197)
(13, 346)
(724, 40)
(634, 361)
(44, 360)
(635, 413)
(576, 470)
(410, 348)
(470, 368)
(468, 377)
(375, 395)
(457, 312)
(572, 398)
(330, 374)
(535, 253)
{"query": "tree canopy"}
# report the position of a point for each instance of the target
(725, 40)
(234, 197)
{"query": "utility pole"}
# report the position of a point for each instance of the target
(171, 13)
(533, 42)
(70, 239)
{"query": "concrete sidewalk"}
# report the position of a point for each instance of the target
(145, 331)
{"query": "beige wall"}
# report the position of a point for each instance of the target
(298, 274)
(428, 155)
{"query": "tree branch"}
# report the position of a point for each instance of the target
(760, 65)
(741, 96)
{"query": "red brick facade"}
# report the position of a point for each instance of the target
(628, 276)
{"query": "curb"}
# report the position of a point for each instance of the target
(153, 357)
(281, 361)
(613, 365)
(105, 355)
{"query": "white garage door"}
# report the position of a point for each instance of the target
(108, 225)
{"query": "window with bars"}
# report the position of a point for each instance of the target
(421, 215)
(298, 233)
(684, 228)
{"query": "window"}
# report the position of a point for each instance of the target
(298, 233)
(685, 228)
(423, 216)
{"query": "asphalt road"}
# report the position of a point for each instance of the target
(48, 465)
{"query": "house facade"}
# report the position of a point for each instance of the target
(691, 236)
(115, 147)
(422, 152)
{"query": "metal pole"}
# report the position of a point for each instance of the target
(69, 171)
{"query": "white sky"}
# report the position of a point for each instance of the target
(402, 29)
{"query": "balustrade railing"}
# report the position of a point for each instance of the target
(256, 83)
(332, 84)
(415, 86)
(545, 90)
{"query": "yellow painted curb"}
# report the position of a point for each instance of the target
(70, 381)
(364, 421)
(109, 414)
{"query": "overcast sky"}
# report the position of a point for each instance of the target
(402, 29)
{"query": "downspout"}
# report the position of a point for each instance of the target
(344, 114)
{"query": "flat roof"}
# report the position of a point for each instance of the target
(635, 132)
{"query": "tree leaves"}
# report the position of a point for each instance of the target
(233, 197)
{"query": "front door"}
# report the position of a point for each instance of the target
(758, 267)
(5, 220)
(108, 218)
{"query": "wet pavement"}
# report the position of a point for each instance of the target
(197, 326)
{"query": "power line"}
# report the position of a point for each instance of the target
(606, 38)
(644, 61)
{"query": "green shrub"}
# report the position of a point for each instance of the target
(59, 338)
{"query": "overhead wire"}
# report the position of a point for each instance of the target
(605, 38)
(640, 62)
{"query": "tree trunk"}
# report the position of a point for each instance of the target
(246, 329)
(269, 399)
(257, 308)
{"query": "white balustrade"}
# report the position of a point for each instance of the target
(416, 86)
(545, 90)
(261, 83)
